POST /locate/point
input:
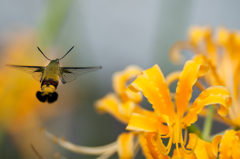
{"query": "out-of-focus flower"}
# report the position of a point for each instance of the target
(16, 93)
(221, 51)
(21, 114)
(18, 104)
(123, 101)
(119, 104)
(170, 119)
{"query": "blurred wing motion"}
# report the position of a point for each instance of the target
(69, 74)
(36, 71)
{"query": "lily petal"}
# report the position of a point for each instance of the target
(152, 84)
(215, 143)
(110, 104)
(125, 145)
(213, 77)
(140, 122)
(212, 95)
(199, 34)
(199, 147)
(181, 154)
(172, 77)
(226, 144)
(152, 146)
(145, 149)
(191, 71)
(175, 51)
(120, 110)
(120, 86)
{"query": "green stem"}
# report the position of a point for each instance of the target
(194, 129)
(53, 18)
(207, 127)
(220, 133)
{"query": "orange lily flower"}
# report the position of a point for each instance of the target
(227, 145)
(119, 104)
(170, 119)
(201, 149)
(222, 146)
(222, 56)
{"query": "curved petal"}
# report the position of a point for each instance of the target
(120, 80)
(202, 36)
(172, 77)
(138, 109)
(120, 110)
(235, 149)
(140, 122)
(152, 84)
(125, 144)
(212, 95)
(210, 151)
(181, 154)
(222, 35)
(199, 34)
(236, 152)
(145, 149)
(216, 117)
(175, 51)
(236, 83)
(78, 148)
(198, 146)
(212, 77)
(110, 104)
(191, 71)
(230, 39)
(152, 146)
(215, 143)
(226, 145)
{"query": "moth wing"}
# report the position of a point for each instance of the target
(69, 74)
(36, 71)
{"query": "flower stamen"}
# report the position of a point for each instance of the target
(161, 146)
(184, 143)
(185, 136)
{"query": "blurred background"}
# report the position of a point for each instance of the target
(108, 33)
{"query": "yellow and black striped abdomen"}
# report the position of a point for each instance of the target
(48, 92)
(49, 84)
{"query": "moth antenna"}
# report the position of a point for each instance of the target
(66, 53)
(36, 152)
(43, 53)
